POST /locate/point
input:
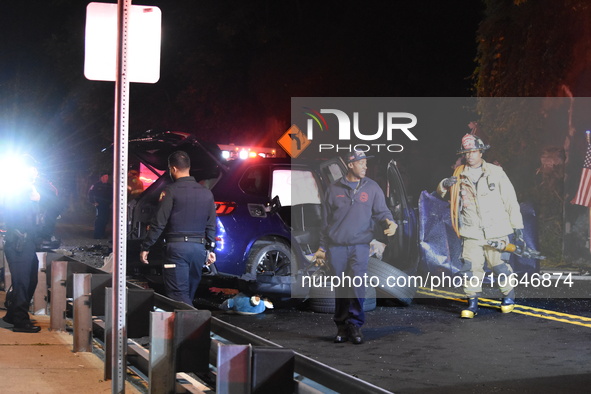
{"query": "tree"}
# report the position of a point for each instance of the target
(536, 49)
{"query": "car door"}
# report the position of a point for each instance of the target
(331, 170)
(402, 247)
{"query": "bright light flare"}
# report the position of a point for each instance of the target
(15, 174)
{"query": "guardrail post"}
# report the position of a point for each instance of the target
(192, 340)
(272, 370)
(140, 303)
(40, 295)
(98, 285)
(162, 369)
(233, 367)
(82, 313)
(7, 276)
(59, 272)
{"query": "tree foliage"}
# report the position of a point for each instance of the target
(530, 48)
(533, 49)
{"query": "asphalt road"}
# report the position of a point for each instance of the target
(544, 346)
(427, 348)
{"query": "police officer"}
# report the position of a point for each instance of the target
(353, 204)
(101, 196)
(484, 208)
(21, 216)
(186, 215)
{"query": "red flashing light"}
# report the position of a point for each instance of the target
(224, 207)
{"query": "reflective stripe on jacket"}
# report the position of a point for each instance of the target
(488, 209)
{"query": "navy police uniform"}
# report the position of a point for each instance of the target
(186, 215)
(350, 212)
(101, 194)
(20, 249)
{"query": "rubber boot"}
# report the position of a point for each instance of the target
(508, 302)
(472, 309)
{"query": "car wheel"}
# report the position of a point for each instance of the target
(269, 258)
(322, 299)
(404, 290)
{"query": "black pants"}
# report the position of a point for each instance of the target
(103, 212)
(24, 266)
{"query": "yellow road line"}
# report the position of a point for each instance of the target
(521, 309)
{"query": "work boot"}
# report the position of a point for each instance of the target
(355, 334)
(28, 327)
(342, 335)
(472, 309)
(508, 302)
(8, 319)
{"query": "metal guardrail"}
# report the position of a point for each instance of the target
(230, 348)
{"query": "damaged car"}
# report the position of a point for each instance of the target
(269, 218)
(268, 215)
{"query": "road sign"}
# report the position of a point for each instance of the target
(143, 46)
(294, 141)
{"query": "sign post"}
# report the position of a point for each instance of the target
(127, 59)
(119, 332)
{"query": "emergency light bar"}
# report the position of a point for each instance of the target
(232, 152)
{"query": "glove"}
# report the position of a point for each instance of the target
(391, 230)
(320, 255)
(449, 182)
(519, 241)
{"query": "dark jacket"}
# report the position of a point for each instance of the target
(186, 208)
(101, 193)
(349, 215)
(20, 212)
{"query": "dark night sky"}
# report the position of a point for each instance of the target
(229, 68)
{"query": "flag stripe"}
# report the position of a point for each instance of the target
(583, 196)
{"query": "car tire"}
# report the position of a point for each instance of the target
(386, 272)
(322, 299)
(265, 257)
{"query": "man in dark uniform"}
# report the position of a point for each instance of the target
(186, 215)
(353, 204)
(101, 196)
(21, 214)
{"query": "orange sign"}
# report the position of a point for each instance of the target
(294, 141)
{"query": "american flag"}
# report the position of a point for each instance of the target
(583, 196)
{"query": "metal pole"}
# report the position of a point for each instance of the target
(119, 333)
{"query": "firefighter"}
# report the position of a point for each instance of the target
(484, 208)
(20, 248)
(135, 186)
(186, 215)
(353, 204)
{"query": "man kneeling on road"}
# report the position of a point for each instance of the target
(352, 205)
